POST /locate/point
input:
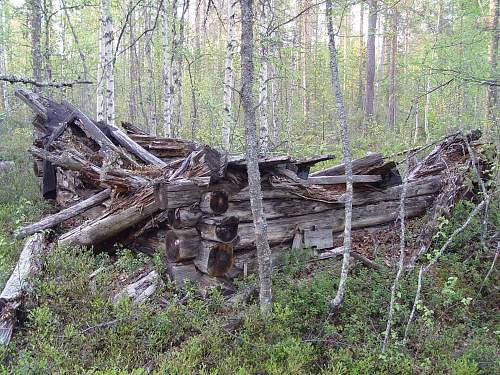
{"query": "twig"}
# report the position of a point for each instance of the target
(30, 81)
(402, 240)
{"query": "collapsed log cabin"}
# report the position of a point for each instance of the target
(191, 202)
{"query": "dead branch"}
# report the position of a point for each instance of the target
(30, 81)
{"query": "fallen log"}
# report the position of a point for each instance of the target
(182, 244)
(52, 220)
(214, 258)
(140, 290)
(359, 166)
(15, 288)
(184, 217)
(180, 193)
(219, 228)
(214, 202)
(110, 224)
(331, 180)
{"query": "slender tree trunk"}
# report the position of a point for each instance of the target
(264, 122)
(427, 105)
(36, 29)
(109, 61)
(173, 66)
(251, 144)
(47, 51)
(392, 72)
(305, 44)
(227, 120)
(180, 65)
(148, 52)
(360, 57)
(346, 147)
(3, 58)
(167, 74)
(132, 101)
(101, 76)
(491, 90)
(370, 60)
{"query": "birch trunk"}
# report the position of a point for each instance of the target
(132, 101)
(264, 123)
(3, 59)
(180, 64)
(360, 57)
(340, 110)
(259, 220)
(426, 106)
(227, 121)
(148, 52)
(167, 74)
(491, 93)
(109, 61)
(370, 60)
(101, 78)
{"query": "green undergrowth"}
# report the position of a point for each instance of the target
(70, 325)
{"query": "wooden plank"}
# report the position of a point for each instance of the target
(359, 166)
(332, 180)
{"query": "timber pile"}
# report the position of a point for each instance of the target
(191, 202)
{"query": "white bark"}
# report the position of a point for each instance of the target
(101, 79)
(109, 61)
(148, 51)
(263, 77)
(341, 115)
(3, 60)
(426, 106)
(167, 75)
(227, 120)
(251, 144)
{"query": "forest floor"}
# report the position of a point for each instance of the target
(71, 325)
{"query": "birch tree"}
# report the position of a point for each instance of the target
(132, 100)
(491, 91)
(251, 144)
(227, 120)
(346, 148)
(391, 105)
(108, 61)
(148, 52)
(35, 9)
(263, 77)
(167, 74)
(101, 76)
(3, 58)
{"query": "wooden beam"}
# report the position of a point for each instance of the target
(332, 180)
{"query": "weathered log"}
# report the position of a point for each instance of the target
(52, 220)
(180, 274)
(5, 165)
(13, 292)
(214, 258)
(140, 290)
(282, 229)
(32, 100)
(136, 149)
(219, 228)
(109, 224)
(164, 147)
(331, 180)
(318, 239)
(182, 244)
(359, 166)
(184, 217)
(214, 202)
(180, 192)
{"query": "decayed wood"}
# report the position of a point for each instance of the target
(214, 258)
(283, 229)
(318, 239)
(29, 81)
(214, 202)
(182, 244)
(164, 147)
(359, 166)
(184, 217)
(219, 228)
(181, 192)
(109, 224)
(331, 180)
(32, 100)
(12, 294)
(180, 274)
(140, 290)
(136, 149)
(52, 220)
(5, 165)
